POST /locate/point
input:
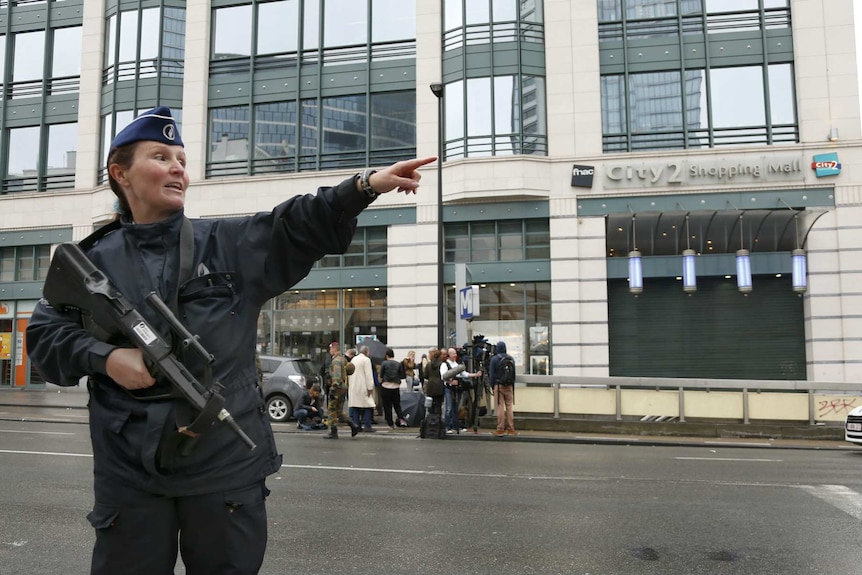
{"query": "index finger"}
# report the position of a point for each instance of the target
(418, 162)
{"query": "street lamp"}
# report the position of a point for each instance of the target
(438, 90)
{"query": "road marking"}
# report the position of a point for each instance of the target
(36, 432)
(730, 459)
(838, 496)
(14, 452)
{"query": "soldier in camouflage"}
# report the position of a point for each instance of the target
(337, 392)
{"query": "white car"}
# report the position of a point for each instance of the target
(853, 426)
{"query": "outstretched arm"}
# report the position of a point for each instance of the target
(403, 176)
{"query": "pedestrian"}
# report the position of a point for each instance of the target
(156, 489)
(338, 390)
(408, 364)
(360, 397)
(433, 382)
(309, 414)
(453, 388)
(504, 391)
(390, 389)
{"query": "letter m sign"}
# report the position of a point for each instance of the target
(468, 302)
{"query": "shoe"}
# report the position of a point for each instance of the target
(305, 427)
(369, 430)
(402, 423)
(354, 429)
(462, 430)
(391, 427)
(299, 426)
(333, 433)
(511, 432)
(498, 433)
(450, 432)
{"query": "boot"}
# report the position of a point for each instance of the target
(354, 429)
(333, 433)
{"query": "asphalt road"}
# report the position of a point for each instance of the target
(383, 504)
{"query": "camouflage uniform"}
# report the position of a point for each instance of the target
(337, 390)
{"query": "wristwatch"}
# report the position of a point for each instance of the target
(365, 183)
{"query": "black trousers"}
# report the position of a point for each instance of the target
(217, 533)
(391, 399)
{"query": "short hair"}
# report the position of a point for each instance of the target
(363, 349)
(334, 345)
(389, 352)
(315, 387)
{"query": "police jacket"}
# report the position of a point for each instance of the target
(239, 264)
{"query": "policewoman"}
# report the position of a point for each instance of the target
(158, 491)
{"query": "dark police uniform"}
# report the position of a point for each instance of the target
(214, 495)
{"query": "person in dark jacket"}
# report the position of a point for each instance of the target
(433, 383)
(309, 414)
(390, 389)
(155, 490)
(504, 395)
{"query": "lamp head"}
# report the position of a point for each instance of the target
(437, 89)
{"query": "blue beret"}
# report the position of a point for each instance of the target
(156, 125)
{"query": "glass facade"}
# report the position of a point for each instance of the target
(663, 87)
(40, 75)
(303, 101)
(490, 111)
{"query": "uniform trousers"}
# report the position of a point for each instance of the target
(504, 398)
(138, 533)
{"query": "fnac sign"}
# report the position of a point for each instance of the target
(826, 165)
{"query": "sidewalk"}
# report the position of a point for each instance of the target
(549, 430)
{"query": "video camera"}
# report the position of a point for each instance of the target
(479, 350)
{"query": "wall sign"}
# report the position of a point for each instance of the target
(582, 176)
(701, 172)
(826, 165)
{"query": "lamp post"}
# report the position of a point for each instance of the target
(438, 90)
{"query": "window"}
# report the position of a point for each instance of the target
(503, 240)
(145, 43)
(504, 115)
(368, 248)
(24, 263)
(735, 96)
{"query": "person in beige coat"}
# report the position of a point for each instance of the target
(360, 394)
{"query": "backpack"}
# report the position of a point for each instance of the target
(507, 370)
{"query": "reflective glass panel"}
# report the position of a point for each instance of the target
(610, 10)
(111, 40)
(504, 10)
(482, 242)
(128, 36)
(730, 5)
(393, 120)
(2, 59)
(23, 151)
(532, 11)
(232, 32)
(452, 13)
(344, 123)
(655, 102)
(229, 133)
(150, 33)
(277, 23)
(7, 264)
(636, 9)
(62, 149)
(781, 106)
(454, 110)
(345, 22)
(534, 116)
(309, 131)
(511, 240)
(477, 12)
(737, 97)
(614, 105)
(479, 106)
(375, 240)
(311, 24)
(173, 42)
(29, 56)
(275, 129)
(67, 52)
(393, 20)
(505, 105)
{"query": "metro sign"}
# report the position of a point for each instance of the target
(468, 302)
(826, 165)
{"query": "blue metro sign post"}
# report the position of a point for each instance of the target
(468, 302)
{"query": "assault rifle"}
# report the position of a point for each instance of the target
(73, 281)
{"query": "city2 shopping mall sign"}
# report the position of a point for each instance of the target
(826, 165)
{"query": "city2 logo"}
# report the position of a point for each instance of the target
(826, 165)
